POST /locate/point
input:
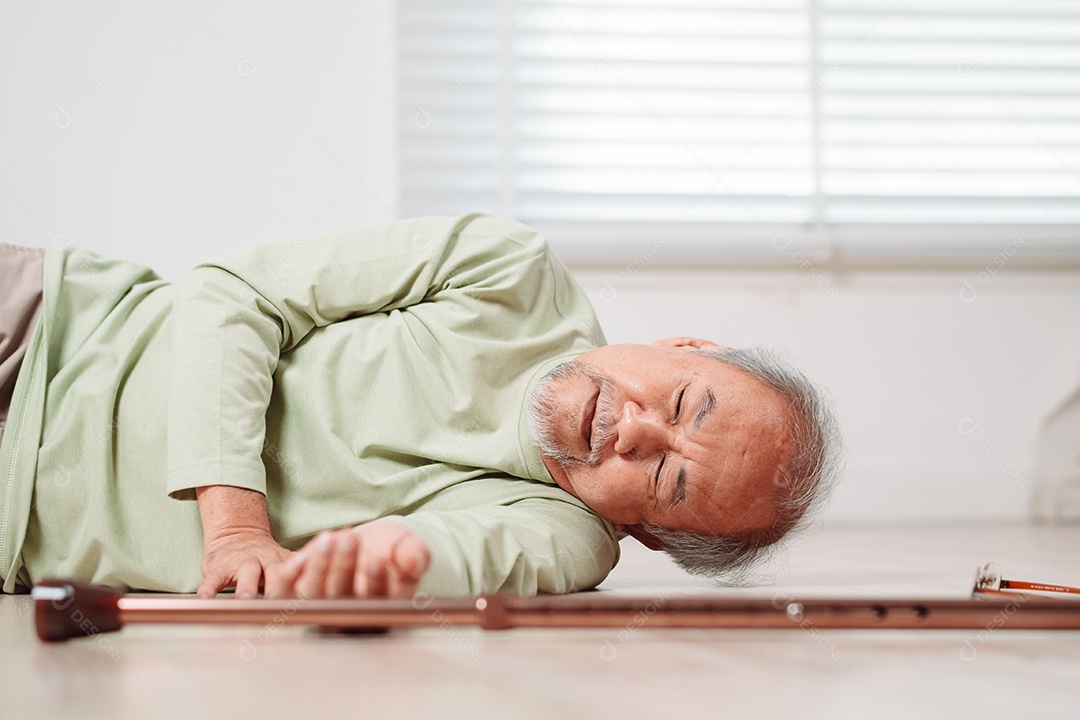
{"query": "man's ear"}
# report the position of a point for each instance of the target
(678, 342)
(643, 536)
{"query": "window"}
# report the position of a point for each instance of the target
(859, 128)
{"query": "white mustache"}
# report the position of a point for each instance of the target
(543, 417)
(605, 425)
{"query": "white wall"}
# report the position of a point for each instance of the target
(169, 132)
(163, 131)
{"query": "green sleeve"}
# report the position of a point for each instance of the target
(234, 317)
(534, 545)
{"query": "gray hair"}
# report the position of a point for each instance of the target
(811, 475)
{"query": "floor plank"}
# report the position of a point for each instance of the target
(244, 671)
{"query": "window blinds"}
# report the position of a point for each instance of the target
(720, 127)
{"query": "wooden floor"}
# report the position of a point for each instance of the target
(180, 673)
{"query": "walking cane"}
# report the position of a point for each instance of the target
(65, 609)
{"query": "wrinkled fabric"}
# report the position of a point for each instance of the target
(376, 371)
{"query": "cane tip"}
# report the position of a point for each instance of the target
(65, 609)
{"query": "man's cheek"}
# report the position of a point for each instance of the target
(615, 486)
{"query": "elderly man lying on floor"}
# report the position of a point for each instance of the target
(422, 405)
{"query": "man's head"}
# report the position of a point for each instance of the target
(710, 453)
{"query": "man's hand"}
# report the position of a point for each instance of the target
(377, 559)
(238, 548)
(242, 558)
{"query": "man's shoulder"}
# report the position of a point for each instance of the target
(499, 226)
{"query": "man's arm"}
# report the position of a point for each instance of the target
(238, 548)
(376, 559)
(535, 545)
(234, 317)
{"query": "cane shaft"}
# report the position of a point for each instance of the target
(336, 613)
(68, 609)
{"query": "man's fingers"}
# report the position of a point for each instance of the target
(371, 572)
(316, 564)
(247, 579)
(280, 579)
(409, 560)
(412, 557)
(384, 562)
(339, 577)
(212, 585)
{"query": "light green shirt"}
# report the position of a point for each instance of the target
(355, 374)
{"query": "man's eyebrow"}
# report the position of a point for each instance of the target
(679, 494)
(707, 405)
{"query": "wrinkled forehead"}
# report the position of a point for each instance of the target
(750, 409)
(746, 450)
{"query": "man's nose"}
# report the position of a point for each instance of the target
(639, 431)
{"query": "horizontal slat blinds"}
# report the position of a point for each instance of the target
(451, 77)
(944, 114)
(722, 125)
